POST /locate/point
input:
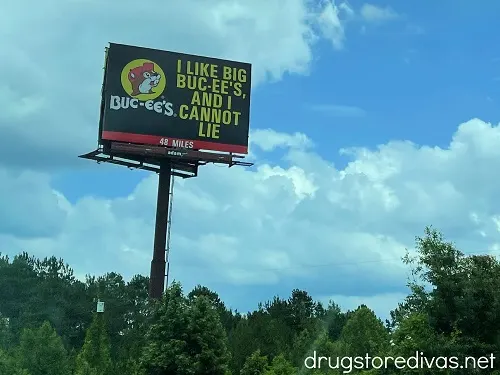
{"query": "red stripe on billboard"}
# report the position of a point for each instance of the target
(173, 142)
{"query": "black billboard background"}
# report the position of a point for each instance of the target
(143, 122)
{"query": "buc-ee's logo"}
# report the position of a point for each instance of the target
(143, 81)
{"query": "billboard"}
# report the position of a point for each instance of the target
(172, 99)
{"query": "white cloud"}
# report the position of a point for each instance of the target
(297, 223)
(38, 211)
(268, 140)
(331, 21)
(375, 14)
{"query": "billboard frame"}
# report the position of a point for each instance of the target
(153, 138)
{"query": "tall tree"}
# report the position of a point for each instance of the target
(167, 347)
(228, 319)
(111, 288)
(186, 337)
(364, 333)
(301, 309)
(18, 287)
(95, 357)
(60, 300)
(334, 320)
(137, 316)
(241, 344)
(462, 304)
(207, 338)
(41, 352)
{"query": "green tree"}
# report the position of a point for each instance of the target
(241, 344)
(18, 286)
(112, 288)
(280, 366)
(207, 338)
(5, 333)
(462, 304)
(301, 310)
(95, 358)
(265, 331)
(256, 364)
(364, 333)
(186, 337)
(137, 318)
(324, 347)
(228, 319)
(334, 320)
(414, 334)
(302, 345)
(33, 291)
(8, 365)
(167, 341)
(41, 352)
(60, 300)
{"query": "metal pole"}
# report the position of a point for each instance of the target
(169, 228)
(158, 264)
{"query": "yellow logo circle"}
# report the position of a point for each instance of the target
(143, 79)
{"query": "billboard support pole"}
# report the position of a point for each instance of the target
(158, 263)
(167, 162)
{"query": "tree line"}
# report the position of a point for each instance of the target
(49, 324)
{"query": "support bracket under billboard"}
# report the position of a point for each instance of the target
(135, 162)
(184, 162)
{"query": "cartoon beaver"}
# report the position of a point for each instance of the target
(143, 79)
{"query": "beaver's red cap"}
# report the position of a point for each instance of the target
(148, 67)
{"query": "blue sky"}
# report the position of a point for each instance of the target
(369, 122)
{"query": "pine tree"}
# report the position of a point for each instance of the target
(41, 352)
(186, 338)
(95, 357)
(166, 350)
(207, 338)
